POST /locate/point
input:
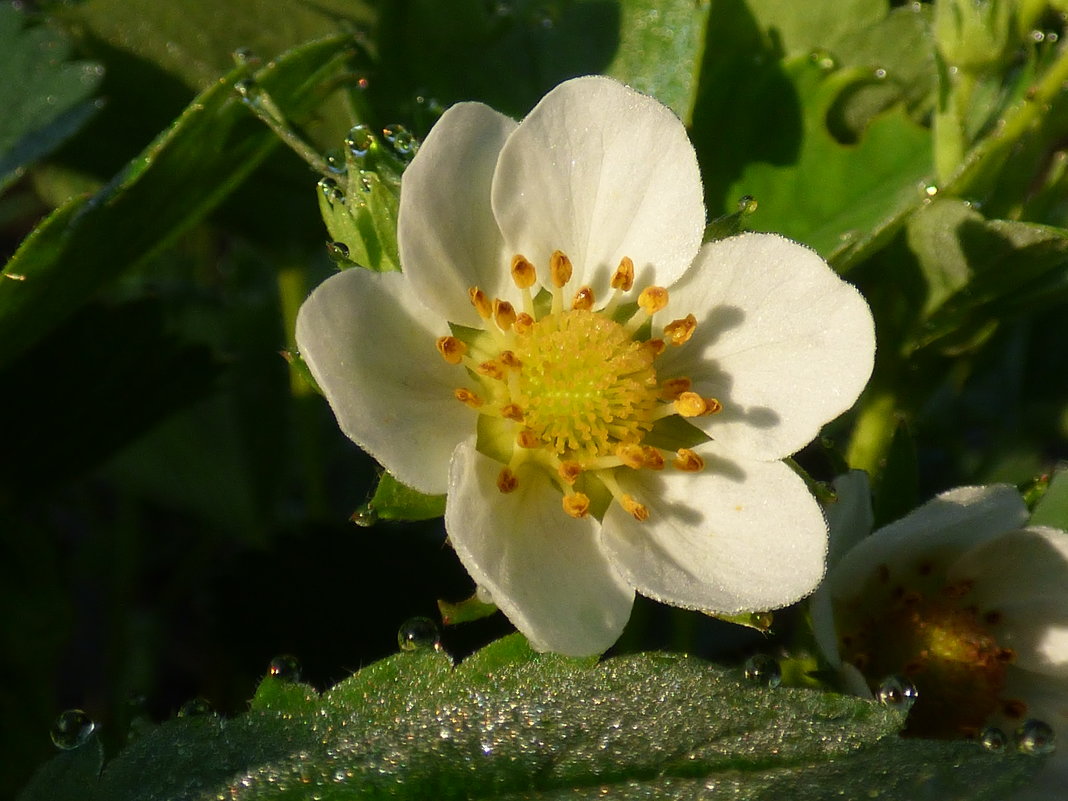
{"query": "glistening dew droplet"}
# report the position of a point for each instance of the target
(365, 517)
(897, 692)
(1035, 737)
(195, 707)
(360, 140)
(993, 739)
(763, 669)
(284, 667)
(400, 138)
(72, 728)
(418, 633)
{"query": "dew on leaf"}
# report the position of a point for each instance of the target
(72, 729)
(1035, 737)
(764, 670)
(195, 707)
(897, 692)
(418, 633)
(400, 139)
(993, 739)
(285, 667)
(360, 140)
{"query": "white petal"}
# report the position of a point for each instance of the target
(939, 532)
(736, 536)
(781, 341)
(600, 171)
(371, 347)
(543, 569)
(446, 232)
(1023, 575)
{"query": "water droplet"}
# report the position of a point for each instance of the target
(72, 728)
(400, 138)
(823, 59)
(747, 204)
(327, 186)
(879, 74)
(285, 667)
(362, 83)
(1037, 36)
(762, 620)
(246, 88)
(366, 516)
(195, 707)
(1035, 737)
(367, 180)
(337, 196)
(930, 190)
(764, 670)
(993, 739)
(244, 56)
(337, 250)
(897, 692)
(1052, 36)
(360, 140)
(417, 634)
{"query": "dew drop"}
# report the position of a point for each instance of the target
(879, 74)
(400, 138)
(196, 707)
(1035, 737)
(993, 739)
(360, 140)
(418, 633)
(366, 516)
(823, 59)
(72, 729)
(764, 670)
(285, 667)
(327, 186)
(338, 251)
(897, 692)
(244, 56)
(747, 204)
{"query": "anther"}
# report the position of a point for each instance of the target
(523, 273)
(654, 459)
(583, 299)
(633, 456)
(468, 397)
(623, 278)
(451, 349)
(653, 299)
(576, 504)
(569, 471)
(559, 269)
(491, 369)
(481, 302)
(679, 331)
(509, 360)
(503, 314)
(507, 481)
(527, 439)
(688, 461)
(523, 323)
(673, 387)
(511, 411)
(636, 510)
(654, 347)
(690, 404)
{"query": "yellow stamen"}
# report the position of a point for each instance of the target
(451, 349)
(527, 439)
(654, 346)
(623, 278)
(688, 461)
(673, 387)
(507, 480)
(511, 411)
(638, 511)
(653, 299)
(468, 397)
(679, 331)
(583, 299)
(491, 369)
(576, 504)
(523, 273)
(633, 456)
(654, 459)
(523, 322)
(509, 360)
(559, 269)
(569, 472)
(690, 404)
(481, 302)
(503, 314)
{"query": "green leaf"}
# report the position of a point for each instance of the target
(173, 184)
(1052, 509)
(66, 775)
(43, 96)
(509, 723)
(396, 501)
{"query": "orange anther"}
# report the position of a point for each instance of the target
(583, 299)
(654, 347)
(653, 299)
(503, 314)
(507, 481)
(509, 360)
(690, 404)
(523, 273)
(491, 369)
(636, 510)
(468, 397)
(623, 278)
(511, 411)
(559, 268)
(481, 302)
(633, 456)
(576, 504)
(523, 322)
(654, 459)
(688, 461)
(679, 331)
(569, 472)
(527, 439)
(673, 387)
(451, 349)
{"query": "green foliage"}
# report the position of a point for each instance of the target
(508, 721)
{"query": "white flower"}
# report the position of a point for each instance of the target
(583, 457)
(963, 599)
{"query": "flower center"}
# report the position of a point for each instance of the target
(575, 391)
(585, 386)
(946, 647)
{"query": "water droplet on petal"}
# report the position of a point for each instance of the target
(897, 692)
(72, 729)
(285, 667)
(360, 140)
(764, 670)
(400, 138)
(418, 633)
(1035, 737)
(993, 739)
(195, 707)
